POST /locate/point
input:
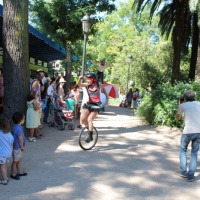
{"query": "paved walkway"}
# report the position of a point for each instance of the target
(131, 161)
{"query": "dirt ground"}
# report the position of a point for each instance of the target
(131, 161)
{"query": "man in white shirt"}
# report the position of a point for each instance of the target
(191, 133)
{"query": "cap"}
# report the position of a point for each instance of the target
(71, 95)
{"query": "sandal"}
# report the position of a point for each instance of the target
(4, 182)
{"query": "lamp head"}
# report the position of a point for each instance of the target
(86, 23)
(130, 58)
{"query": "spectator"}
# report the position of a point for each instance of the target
(37, 87)
(18, 146)
(32, 116)
(135, 98)
(44, 97)
(51, 95)
(191, 133)
(6, 147)
(129, 97)
(75, 91)
(71, 102)
(60, 90)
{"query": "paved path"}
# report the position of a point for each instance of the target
(131, 161)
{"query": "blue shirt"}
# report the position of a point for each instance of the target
(17, 131)
(70, 103)
(6, 141)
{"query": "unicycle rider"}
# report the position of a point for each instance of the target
(93, 106)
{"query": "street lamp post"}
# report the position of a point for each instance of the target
(86, 26)
(129, 63)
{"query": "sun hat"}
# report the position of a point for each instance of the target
(62, 80)
(39, 70)
(71, 95)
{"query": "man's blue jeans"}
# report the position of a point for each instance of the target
(185, 140)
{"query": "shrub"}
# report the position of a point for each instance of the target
(160, 106)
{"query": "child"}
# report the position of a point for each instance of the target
(62, 105)
(33, 116)
(66, 113)
(71, 102)
(6, 143)
(18, 146)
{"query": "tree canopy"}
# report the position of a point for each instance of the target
(61, 19)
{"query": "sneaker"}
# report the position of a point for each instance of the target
(89, 137)
(32, 139)
(181, 175)
(191, 179)
(4, 182)
(16, 177)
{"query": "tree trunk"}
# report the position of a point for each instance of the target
(15, 56)
(195, 42)
(198, 59)
(68, 66)
(177, 40)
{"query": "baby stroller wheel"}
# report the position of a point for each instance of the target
(71, 126)
(51, 124)
(61, 127)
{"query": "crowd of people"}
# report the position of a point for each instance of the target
(43, 91)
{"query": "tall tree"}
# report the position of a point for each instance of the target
(61, 20)
(195, 7)
(15, 56)
(175, 18)
(124, 32)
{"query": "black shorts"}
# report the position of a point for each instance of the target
(93, 107)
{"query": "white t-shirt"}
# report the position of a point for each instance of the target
(191, 111)
(50, 90)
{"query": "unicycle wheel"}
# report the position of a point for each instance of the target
(83, 135)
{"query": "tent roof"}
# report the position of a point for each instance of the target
(40, 47)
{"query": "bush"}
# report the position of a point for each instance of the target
(160, 106)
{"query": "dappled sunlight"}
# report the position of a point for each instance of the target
(65, 147)
(142, 179)
(131, 160)
(57, 192)
(110, 192)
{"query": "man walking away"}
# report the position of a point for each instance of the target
(191, 133)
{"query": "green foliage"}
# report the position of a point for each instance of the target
(61, 19)
(160, 106)
(123, 33)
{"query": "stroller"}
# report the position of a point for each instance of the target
(123, 103)
(61, 117)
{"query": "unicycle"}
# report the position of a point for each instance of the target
(83, 136)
